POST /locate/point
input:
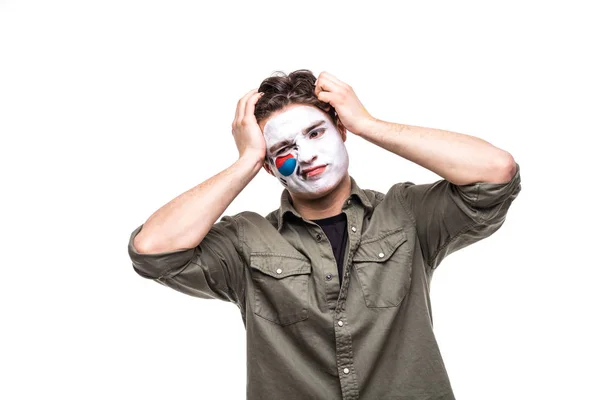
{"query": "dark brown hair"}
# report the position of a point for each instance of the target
(297, 87)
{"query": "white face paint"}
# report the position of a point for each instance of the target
(321, 145)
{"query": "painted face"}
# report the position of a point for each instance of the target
(300, 139)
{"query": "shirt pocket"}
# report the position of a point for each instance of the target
(383, 266)
(280, 287)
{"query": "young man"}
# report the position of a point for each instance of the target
(333, 287)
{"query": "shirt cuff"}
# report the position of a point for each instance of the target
(158, 265)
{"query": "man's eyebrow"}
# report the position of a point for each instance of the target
(312, 126)
(304, 132)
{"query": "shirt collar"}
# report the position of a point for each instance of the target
(287, 208)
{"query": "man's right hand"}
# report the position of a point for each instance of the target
(248, 136)
(183, 222)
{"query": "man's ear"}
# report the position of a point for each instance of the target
(267, 168)
(342, 129)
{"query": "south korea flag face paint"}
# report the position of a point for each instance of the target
(286, 165)
(305, 151)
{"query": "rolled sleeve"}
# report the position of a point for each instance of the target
(211, 270)
(449, 217)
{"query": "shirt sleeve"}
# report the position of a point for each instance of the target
(449, 217)
(211, 270)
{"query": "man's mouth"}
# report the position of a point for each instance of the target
(313, 171)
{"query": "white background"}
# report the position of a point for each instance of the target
(109, 109)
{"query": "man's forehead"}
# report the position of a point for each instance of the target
(291, 122)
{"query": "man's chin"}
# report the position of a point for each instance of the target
(319, 192)
(313, 195)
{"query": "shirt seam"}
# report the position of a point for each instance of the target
(407, 210)
(239, 251)
(462, 231)
(447, 243)
(479, 213)
(476, 221)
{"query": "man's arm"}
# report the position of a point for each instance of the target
(184, 221)
(449, 217)
(469, 204)
(456, 157)
(480, 180)
(181, 246)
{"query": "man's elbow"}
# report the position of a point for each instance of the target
(509, 168)
(506, 169)
(142, 245)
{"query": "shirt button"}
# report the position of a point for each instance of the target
(279, 270)
(319, 237)
(328, 277)
(340, 323)
(346, 371)
(381, 255)
(353, 229)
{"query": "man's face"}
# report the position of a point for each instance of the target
(300, 138)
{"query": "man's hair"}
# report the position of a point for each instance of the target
(297, 87)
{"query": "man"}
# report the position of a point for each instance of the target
(333, 287)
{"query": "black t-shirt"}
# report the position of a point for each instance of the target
(335, 229)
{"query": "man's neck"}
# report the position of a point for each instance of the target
(327, 206)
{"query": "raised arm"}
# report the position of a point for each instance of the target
(182, 246)
(480, 180)
(458, 158)
(184, 221)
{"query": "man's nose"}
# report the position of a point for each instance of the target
(306, 155)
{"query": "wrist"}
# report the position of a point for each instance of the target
(251, 160)
(368, 126)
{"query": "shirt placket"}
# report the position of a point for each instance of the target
(343, 338)
(337, 295)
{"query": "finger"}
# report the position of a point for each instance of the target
(251, 103)
(327, 97)
(327, 85)
(241, 109)
(318, 84)
(334, 79)
(241, 106)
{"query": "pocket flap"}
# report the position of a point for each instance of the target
(279, 265)
(380, 249)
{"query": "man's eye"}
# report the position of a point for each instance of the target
(317, 132)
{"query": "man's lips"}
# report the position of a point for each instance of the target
(307, 170)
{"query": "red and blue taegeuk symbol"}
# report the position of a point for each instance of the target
(286, 165)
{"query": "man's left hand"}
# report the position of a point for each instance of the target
(353, 115)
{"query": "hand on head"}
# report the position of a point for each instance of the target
(248, 136)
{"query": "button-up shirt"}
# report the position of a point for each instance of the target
(310, 336)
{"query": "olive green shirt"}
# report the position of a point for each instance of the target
(307, 338)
